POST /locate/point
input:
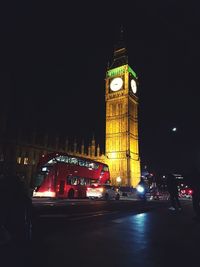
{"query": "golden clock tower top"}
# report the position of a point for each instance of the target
(120, 52)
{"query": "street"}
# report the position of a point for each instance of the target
(100, 233)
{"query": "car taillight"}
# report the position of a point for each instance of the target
(190, 192)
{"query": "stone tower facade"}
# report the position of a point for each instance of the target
(122, 148)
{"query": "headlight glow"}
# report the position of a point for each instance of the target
(140, 189)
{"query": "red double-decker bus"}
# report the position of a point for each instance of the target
(65, 176)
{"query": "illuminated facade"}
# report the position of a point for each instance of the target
(122, 148)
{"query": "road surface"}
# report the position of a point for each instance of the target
(135, 234)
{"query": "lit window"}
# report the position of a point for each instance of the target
(19, 160)
(105, 168)
(81, 162)
(25, 161)
(73, 161)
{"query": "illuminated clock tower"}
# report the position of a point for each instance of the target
(122, 149)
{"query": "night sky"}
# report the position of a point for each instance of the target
(55, 58)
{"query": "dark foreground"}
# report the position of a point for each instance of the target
(134, 235)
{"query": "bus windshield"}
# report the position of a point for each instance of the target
(41, 176)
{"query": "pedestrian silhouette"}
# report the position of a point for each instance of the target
(15, 206)
(194, 182)
(173, 192)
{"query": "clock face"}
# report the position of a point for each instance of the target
(133, 86)
(116, 84)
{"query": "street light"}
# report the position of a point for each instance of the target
(118, 179)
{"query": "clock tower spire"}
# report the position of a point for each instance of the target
(122, 148)
(120, 56)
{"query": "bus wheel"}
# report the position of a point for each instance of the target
(71, 194)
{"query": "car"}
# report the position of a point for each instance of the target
(126, 191)
(106, 192)
(185, 192)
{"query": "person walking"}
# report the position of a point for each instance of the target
(173, 192)
(15, 207)
(194, 182)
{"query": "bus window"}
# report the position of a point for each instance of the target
(87, 181)
(51, 161)
(78, 180)
(96, 166)
(73, 161)
(91, 166)
(41, 176)
(68, 180)
(39, 179)
(81, 163)
(62, 159)
(74, 181)
(83, 181)
(105, 168)
(87, 164)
